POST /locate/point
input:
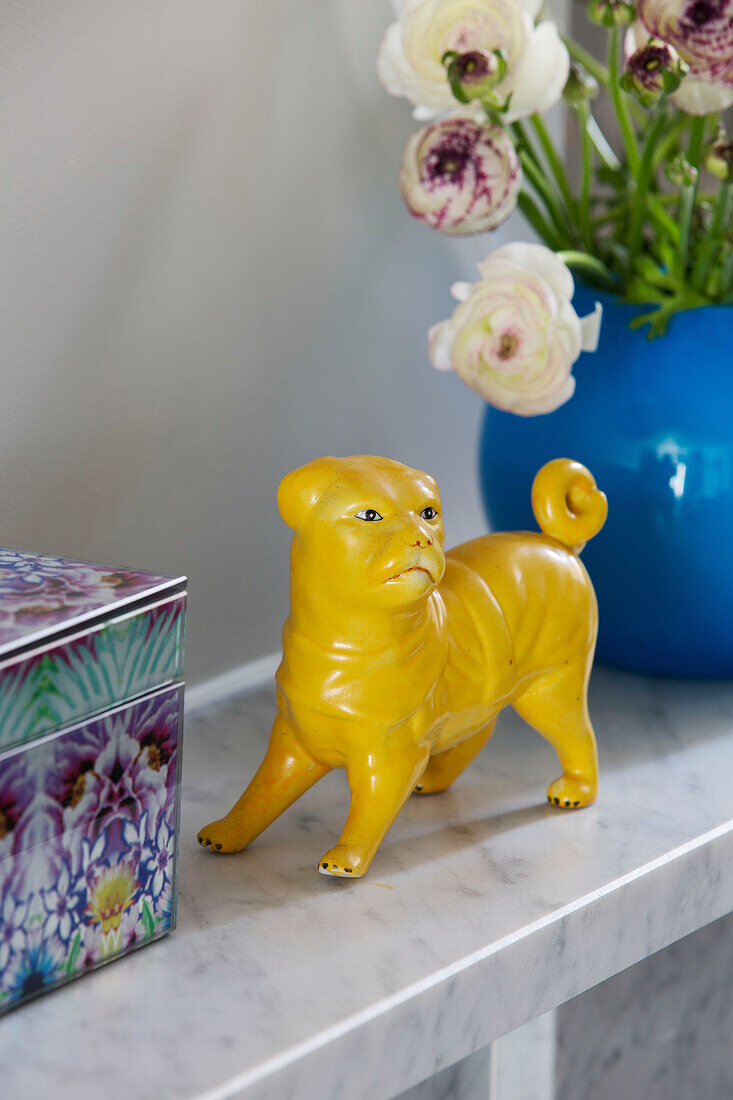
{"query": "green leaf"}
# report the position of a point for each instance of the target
(148, 919)
(653, 274)
(70, 964)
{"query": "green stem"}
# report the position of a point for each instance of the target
(655, 274)
(523, 139)
(587, 60)
(612, 214)
(726, 278)
(532, 165)
(664, 221)
(538, 222)
(688, 192)
(554, 160)
(582, 114)
(590, 266)
(619, 103)
(684, 219)
(538, 180)
(646, 173)
(666, 146)
(697, 132)
(668, 199)
(721, 217)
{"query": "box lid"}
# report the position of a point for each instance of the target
(43, 597)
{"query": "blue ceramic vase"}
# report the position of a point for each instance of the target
(653, 421)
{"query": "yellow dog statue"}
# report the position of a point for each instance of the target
(397, 657)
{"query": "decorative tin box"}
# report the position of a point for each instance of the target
(90, 726)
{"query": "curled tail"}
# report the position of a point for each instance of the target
(567, 503)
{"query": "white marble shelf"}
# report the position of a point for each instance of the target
(483, 909)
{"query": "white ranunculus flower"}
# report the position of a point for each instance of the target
(701, 31)
(459, 176)
(410, 56)
(697, 96)
(515, 336)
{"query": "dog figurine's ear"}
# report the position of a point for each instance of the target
(300, 490)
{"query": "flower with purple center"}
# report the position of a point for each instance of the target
(701, 31)
(64, 906)
(515, 336)
(13, 935)
(411, 56)
(16, 795)
(118, 781)
(652, 72)
(459, 176)
(160, 864)
(474, 74)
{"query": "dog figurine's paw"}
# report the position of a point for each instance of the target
(220, 836)
(431, 785)
(342, 862)
(570, 792)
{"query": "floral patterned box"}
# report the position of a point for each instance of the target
(90, 728)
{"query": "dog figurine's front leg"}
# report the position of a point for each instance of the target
(380, 784)
(287, 771)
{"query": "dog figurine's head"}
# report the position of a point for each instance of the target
(368, 531)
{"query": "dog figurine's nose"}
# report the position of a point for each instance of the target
(428, 542)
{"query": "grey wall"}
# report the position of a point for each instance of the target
(208, 278)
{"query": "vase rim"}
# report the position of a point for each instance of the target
(612, 297)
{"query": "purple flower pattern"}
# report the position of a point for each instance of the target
(38, 591)
(87, 845)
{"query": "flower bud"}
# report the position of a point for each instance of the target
(581, 85)
(652, 72)
(475, 74)
(428, 34)
(611, 13)
(719, 157)
(700, 30)
(680, 172)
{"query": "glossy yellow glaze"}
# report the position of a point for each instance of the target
(397, 657)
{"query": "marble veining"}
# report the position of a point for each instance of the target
(483, 909)
(662, 1029)
(469, 1079)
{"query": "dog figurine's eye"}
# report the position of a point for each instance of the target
(428, 513)
(369, 514)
